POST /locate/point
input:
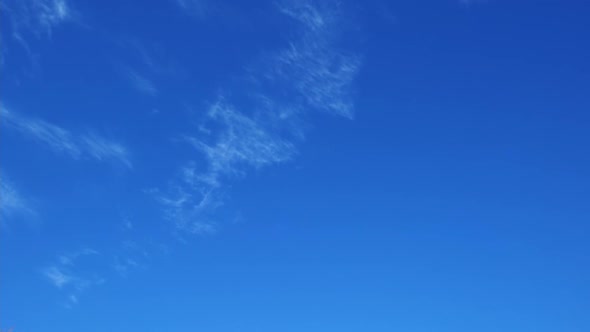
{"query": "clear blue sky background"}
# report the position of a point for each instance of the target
(197, 165)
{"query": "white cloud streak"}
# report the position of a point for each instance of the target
(146, 65)
(57, 276)
(69, 259)
(311, 74)
(52, 12)
(60, 140)
(11, 202)
(27, 21)
(74, 273)
(36, 17)
(311, 69)
(141, 83)
(103, 150)
(67, 276)
(123, 265)
(243, 143)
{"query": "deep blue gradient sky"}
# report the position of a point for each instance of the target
(196, 165)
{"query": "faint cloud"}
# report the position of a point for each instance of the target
(11, 202)
(123, 265)
(127, 224)
(131, 256)
(37, 16)
(242, 141)
(309, 13)
(381, 9)
(63, 141)
(57, 277)
(142, 64)
(28, 19)
(189, 209)
(73, 299)
(310, 74)
(311, 69)
(472, 2)
(52, 12)
(197, 8)
(102, 149)
(55, 137)
(75, 272)
(141, 83)
(70, 258)
(67, 274)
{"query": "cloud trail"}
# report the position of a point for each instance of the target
(36, 18)
(311, 74)
(66, 275)
(312, 70)
(60, 140)
(141, 83)
(196, 8)
(11, 202)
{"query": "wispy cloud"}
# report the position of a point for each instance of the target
(312, 69)
(471, 2)
(74, 273)
(50, 13)
(144, 63)
(311, 74)
(197, 8)
(66, 274)
(242, 143)
(141, 83)
(101, 149)
(122, 265)
(190, 209)
(38, 16)
(57, 276)
(11, 202)
(70, 258)
(87, 145)
(35, 18)
(131, 255)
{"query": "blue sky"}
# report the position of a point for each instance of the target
(196, 165)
